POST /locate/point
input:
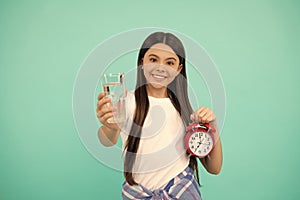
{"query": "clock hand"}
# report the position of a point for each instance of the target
(199, 143)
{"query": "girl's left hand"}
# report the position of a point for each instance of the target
(203, 115)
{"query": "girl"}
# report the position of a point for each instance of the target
(156, 165)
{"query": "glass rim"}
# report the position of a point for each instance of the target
(116, 77)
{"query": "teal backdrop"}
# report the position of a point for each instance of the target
(254, 44)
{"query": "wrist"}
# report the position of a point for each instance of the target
(109, 130)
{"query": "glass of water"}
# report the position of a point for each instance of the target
(114, 88)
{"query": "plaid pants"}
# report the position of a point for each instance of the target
(183, 187)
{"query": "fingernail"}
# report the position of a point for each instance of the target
(192, 117)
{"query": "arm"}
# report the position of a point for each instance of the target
(213, 162)
(107, 136)
(108, 133)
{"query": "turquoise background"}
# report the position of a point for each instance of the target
(255, 45)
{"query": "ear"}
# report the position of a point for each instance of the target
(179, 68)
(142, 63)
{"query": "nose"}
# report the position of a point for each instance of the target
(160, 68)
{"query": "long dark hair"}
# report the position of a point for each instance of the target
(176, 91)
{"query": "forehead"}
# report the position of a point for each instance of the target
(161, 49)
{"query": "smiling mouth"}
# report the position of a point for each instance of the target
(156, 76)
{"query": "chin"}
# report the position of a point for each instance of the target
(157, 85)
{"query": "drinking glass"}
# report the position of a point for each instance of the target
(114, 88)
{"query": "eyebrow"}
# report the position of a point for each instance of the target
(166, 58)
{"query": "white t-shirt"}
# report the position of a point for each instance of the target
(161, 154)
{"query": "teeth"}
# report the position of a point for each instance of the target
(158, 76)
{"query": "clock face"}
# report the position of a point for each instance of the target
(200, 143)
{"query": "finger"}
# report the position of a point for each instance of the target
(209, 118)
(205, 116)
(103, 111)
(205, 120)
(203, 111)
(99, 114)
(192, 117)
(105, 102)
(195, 116)
(101, 95)
(105, 117)
(201, 120)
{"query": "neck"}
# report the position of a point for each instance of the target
(157, 92)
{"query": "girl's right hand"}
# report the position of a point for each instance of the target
(105, 111)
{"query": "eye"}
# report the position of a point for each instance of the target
(153, 59)
(170, 63)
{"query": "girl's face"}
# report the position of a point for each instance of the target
(161, 66)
